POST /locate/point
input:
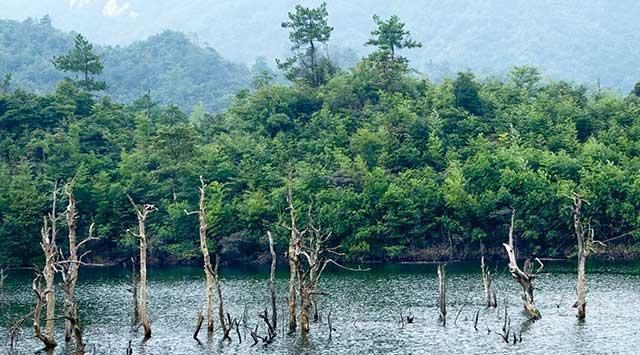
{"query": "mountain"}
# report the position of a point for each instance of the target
(583, 41)
(170, 65)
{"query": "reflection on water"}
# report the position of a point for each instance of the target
(366, 310)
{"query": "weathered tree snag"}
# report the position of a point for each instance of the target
(48, 244)
(292, 256)
(142, 213)
(486, 283)
(586, 245)
(272, 285)
(524, 278)
(309, 243)
(442, 294)
(225, 325)
(41, 297)
(68, 269)
(208, 271)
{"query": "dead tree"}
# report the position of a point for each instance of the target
(524, 278)
(225, 324)
(586, 245)
(292, 255)
(273, 324)
(208, 270)
(68, 269)
(308, 245)
(141, 214)
(50, 250)
(41, 298)
(442, 293)
(486, 283)
(317, 257)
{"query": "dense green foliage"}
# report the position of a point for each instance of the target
(411, 171)
(169, 65)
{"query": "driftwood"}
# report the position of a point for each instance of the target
(523, 277)
(442, 293)
(142, 213)
(208, 271)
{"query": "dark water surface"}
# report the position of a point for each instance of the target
(365, 307)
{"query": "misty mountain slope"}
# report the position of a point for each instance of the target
(170, 65)
(576, 40)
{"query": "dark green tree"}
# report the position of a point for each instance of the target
(466, 91)
(84, 62)
(389, 37)
(636, 90)
(309, 35)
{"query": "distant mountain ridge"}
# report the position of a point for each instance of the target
(169, 65)
(583, 41)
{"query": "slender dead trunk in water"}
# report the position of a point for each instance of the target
(272, 284)
(50, 250)
(292, 256)
(225, 325)
(68, 269)
(135, 280)
(442, 293)
(586, 241)
(208, 270)
(142, 213)
(486, 283)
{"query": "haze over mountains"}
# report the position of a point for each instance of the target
(582, 41)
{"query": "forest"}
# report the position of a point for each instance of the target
(399, 168)
(335, 167)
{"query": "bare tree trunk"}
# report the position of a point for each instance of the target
(135, 280)
(68, 269)
(292, 255)
(142, 214)
(486, 283)
(50, 250)
(581, 304)
(272, 283)
(583, 238)
(225, 325)
(524, 278)
(41, 297)
(442, 293)
(144, 317)
(208, 270)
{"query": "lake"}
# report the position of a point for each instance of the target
(365, 308)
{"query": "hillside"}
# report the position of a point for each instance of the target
(170, 65)
(581, 41)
